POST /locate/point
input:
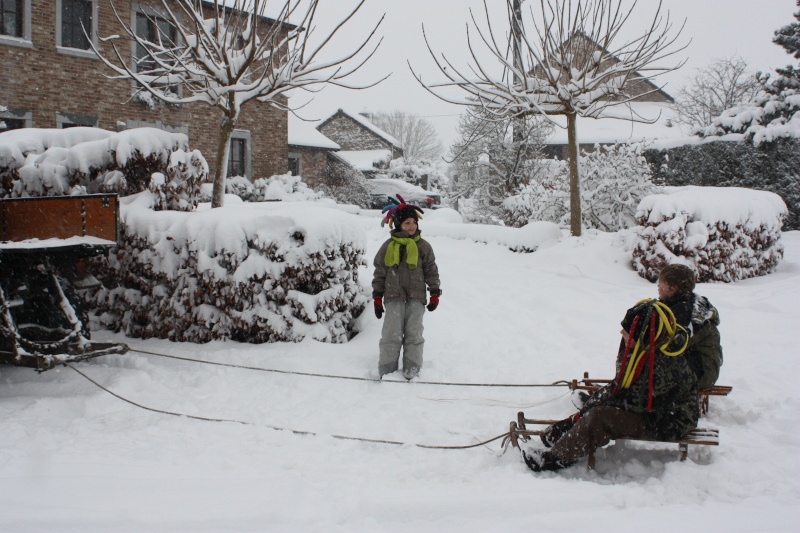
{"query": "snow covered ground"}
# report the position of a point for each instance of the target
(73, 458)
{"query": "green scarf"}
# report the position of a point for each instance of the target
(412, 252)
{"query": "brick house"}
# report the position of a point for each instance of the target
(649, 102)
(51, 78)
(310, 152)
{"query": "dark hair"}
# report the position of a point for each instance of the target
(681, 278)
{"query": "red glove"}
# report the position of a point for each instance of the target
(434, 303)
(378, 303)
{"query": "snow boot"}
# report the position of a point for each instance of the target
(543, 461)
(553, 433)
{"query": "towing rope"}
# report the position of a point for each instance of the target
(276, 428)
(561, 383)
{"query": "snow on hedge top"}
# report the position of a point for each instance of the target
(731, 205)
(366, 160)
(82, 148)
(300, 229)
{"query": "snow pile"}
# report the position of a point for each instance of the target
(613, 181)
(51, 162)
(446, 223)
(257, 272)
(284, 187)
(724, 234)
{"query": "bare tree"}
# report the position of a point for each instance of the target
(418, 136)
(571, 61)
(723, 84)
(227, 53)
(495, 158)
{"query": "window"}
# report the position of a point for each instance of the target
(155, 29)
(64, 121)
(72, 18)
(11, 21)
(11, 119)
(239, 158)
(15, 22)
(295, 164)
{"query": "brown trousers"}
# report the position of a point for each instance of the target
(595, 429)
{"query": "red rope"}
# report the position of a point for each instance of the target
(628, 346)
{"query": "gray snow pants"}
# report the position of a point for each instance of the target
(402, 326)
(596, 428)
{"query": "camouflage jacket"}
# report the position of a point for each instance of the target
(704, 352)
(675, 409)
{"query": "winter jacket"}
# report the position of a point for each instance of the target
(401, 283)
(704, 352)
(674, 409)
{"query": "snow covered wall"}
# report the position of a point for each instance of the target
(724, 233)
(251, 272)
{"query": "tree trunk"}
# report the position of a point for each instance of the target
(574, 177)
(223, 152)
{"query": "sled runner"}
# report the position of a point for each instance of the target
(43, 243)
(591, 385)
(518, 431)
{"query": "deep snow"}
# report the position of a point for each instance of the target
(74, 458)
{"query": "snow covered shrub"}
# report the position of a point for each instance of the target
(613, 180)
(734, 162)
(424, 173)
(724, 234)
(345, 184)
(250, 272)
(283, 187)
(51, 162)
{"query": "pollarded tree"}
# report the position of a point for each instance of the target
(227, 53)
(721, 85)
(568, 59)
(417, 135)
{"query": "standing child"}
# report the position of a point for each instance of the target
(404, 266)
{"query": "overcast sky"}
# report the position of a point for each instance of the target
(717, 28)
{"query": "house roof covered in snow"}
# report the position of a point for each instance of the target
(304, 134)
(622, 129)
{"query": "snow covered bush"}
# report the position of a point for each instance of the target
(52, 162)
(734, 162)
(724, 234)
(345, 184)
(256, 272)
(613, 181)
(283, 187)
(424, 173)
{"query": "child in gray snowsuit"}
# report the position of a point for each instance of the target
(404, 266)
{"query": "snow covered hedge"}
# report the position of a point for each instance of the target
(256, 272)
(283, 187)
(613, 181)
(724, 234)
(734, 162)
(53, 162)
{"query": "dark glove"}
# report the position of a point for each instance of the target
(378, 303)
(434, 303)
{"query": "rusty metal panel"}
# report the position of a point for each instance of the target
(101, 217)
(59, 217)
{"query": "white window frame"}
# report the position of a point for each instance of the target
(70, 119)
(15, 114)
(25, 40)
(243, 134)
(88, 53)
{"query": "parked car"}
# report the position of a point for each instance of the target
(381, 188)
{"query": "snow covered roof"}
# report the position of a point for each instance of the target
(365, 160)
(363, 121)
(303, 133)
(613, 130)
